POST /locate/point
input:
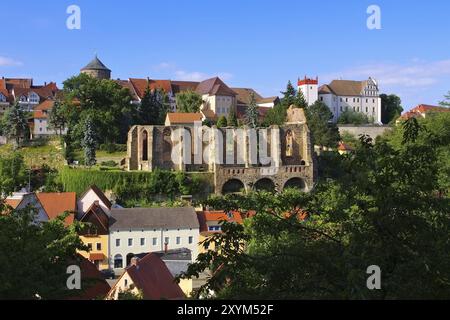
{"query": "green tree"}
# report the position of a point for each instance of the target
(108, 103)
(89, 143)
(188, 101)
(382, 210)
(300, 101)
(13, 174)
(36, 267)
(252, 113)
(391, 108)
(275, 116)
(353, 117)
(15, 125)
(232, 118)
(324, 132)
(149, 111)
(289, 96)
(446, 101)
(222, 122)
(57, 118)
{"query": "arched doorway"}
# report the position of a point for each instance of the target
(264, 184)
(295, 183)
(129, 257)
(233, 186)
(118, 261)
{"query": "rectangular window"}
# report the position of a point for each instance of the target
(341, 109)
(367, 109)
(191, 239)
(142, 241)
(178, 240)
(130, 242)
(321, 98)
(155, 241)
(117, 242)
(166, 240)
(346, 99)
(90, 246)
(99, 246)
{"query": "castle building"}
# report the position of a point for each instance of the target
(97, 69)
(234, 155)
(345, 95)
(309, 88)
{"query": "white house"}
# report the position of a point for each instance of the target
(141, 230)
(22, 200)
(91, 196)
(357, 96)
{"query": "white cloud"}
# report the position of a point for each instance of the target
(8, 62)
(190, 76)
(415, 73)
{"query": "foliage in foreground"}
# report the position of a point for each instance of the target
(382, 209)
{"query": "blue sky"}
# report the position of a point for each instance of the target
(249, 43)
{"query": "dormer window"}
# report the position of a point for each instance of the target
(23, 99)
(34, 98)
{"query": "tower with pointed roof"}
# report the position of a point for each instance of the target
(97, 69)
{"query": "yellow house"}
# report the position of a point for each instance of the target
(96, 236)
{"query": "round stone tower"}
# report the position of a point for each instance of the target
(97, 69)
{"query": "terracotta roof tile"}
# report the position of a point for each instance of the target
(151, 275)
(214, 86)
(179, 117)
(56, 203)
(141, 85)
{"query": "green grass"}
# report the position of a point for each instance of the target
(35, 156)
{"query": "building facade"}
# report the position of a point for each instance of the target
(142, 230)
(357, 96)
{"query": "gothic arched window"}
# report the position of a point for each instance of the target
(289, 143)
(145, 146)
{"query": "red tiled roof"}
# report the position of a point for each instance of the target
(343, 147)
(180, 117)
(96, 256)
(422, 109)
(56, 203)
(141, 85)
(241, 111)
(216, 216)
(151, 275)
(13, 203)
(214, 86)
(93, 285)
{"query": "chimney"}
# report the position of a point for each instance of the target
(134, 261)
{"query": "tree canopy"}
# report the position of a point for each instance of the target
(382, 208)
(391, 108)
(324, 132)
(188, 101)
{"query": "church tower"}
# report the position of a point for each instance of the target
(97, 69)
(310, 89)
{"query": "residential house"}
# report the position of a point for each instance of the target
(41, 125)
(421, 111)
(22, 200)
(344, 148)
(91, 196)
(140, 230)
(95, 235)
(210, 222)
(148, 276)
(57, 203)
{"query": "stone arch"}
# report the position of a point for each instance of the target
(233, 186)
(265, 184)
(118, 261)
(297, 183)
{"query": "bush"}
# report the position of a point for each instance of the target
(109, 163)
(352, 117)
